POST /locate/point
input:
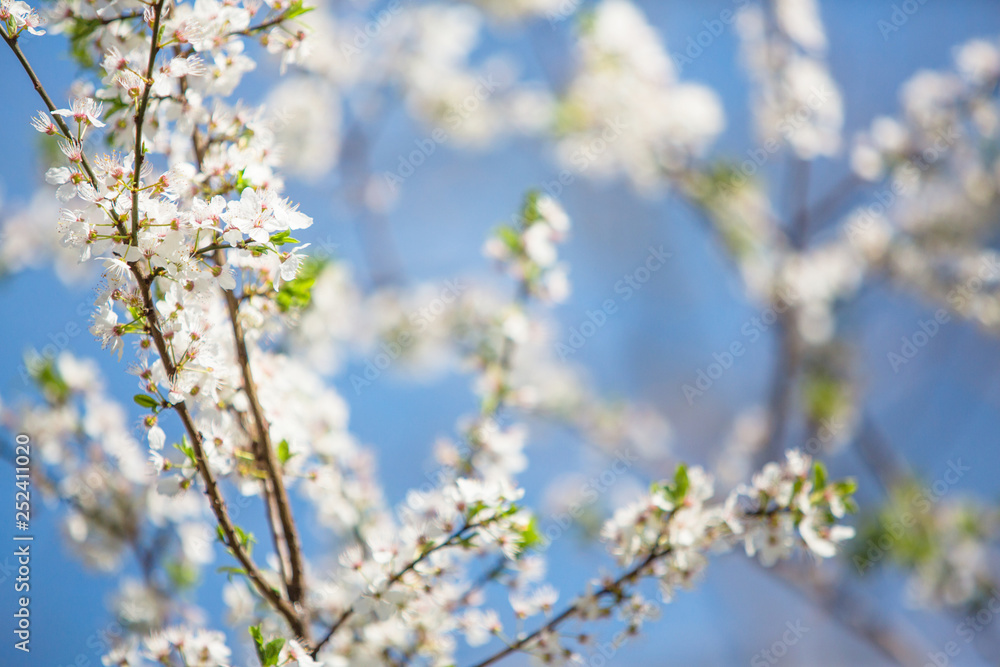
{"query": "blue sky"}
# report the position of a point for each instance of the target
(941, 406)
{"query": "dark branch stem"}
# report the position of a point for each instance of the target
(789, 345)
(254, 29)
(267, 456)
(127, 16)
(613, 589)
(216, 501)
(140, 117)
(40, 89)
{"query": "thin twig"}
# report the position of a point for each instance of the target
(852, 613)
(140, 117)
(349, 612)
(267, 455)
(254, 29)
(216, 500)
(611, 589)
(40, 89)
(789, 344)
(127, 16)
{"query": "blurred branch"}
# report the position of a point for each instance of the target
(378, 245)
(852, 612)
(788, 356)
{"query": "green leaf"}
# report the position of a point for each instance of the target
(45, 374)
(283, 237)
(232, 571)
(146, 401)
(272, 650)
(510, 237)
(529, 212)
(473, 510)
(246, 539)
(530, 537)
(819, 476)
(681, 482)
(846, 487)
(297, 293)
(258, 640)
(186, 449)
(297, 9)
(241, 182)
(283, 453)
(182, 576)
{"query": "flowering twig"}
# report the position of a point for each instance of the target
(391, 581)
(612, 589)
(40, 89)
(216, 500)
(140, 117)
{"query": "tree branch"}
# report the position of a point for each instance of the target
(267, 456)
(216, 500)
(40, 89)
(609, 590)
(140, 117)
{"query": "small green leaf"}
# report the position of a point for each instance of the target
(182, 576)
(530, 212)
(297, 9)
(283, 237)
(297, 293)
(241, 182)
(186, 449)
(45, 374)
(530, 537)
(681, 482)
(819, 476)
(246, 539)
(510, 237)
(146, 401)
(258, 640)
(272, 651)
(283, 453)
(846, 487)
(232, 571)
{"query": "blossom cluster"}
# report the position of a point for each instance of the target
(784, 505)
(528, 248)
(239, 334)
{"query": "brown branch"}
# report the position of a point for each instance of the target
(267, 456)
(127, 16)
(40, 89)
(612, 589)
(788, 356)
(254, 29)
(216, 500)
(140, 117)
(212, 490)
(851, 612)
(278, 539)
(283, 606)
